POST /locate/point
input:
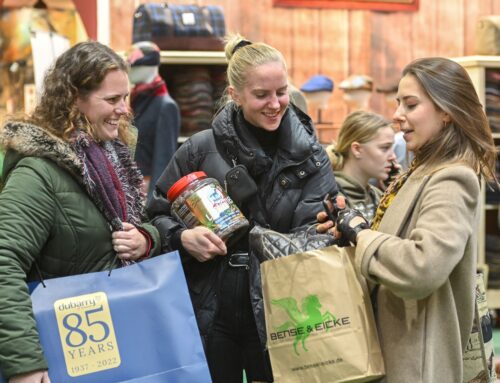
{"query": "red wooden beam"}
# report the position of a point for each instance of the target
(388, 6)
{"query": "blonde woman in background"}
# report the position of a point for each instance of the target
(364, 151)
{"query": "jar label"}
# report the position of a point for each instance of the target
(213, 208)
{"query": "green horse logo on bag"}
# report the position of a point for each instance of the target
(304, 321)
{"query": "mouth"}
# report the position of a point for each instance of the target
(272, 115)
(406, 132)
(113, 123)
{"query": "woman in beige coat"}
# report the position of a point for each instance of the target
(421, 250)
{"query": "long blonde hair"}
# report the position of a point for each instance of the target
(359, 126)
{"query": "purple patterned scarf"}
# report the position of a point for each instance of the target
(111, 179)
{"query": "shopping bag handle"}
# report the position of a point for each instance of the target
(42, 281)
(39, 272)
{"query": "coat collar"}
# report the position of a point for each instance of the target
(403, 204)
(296, 135)
(21, 139)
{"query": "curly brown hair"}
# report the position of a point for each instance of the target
(77, 72)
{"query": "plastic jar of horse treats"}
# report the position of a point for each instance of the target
(198, 200)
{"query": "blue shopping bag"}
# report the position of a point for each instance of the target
(134, 325)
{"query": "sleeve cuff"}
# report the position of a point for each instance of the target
(176, 240)
(149, 241)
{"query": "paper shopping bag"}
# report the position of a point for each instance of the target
(479, 355)
(134, 325)
(319, 320)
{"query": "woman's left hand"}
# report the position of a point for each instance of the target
(129, 244)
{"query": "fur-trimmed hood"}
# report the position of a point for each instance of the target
(21, 139)
(28, 140)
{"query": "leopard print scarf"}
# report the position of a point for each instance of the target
(389, 195)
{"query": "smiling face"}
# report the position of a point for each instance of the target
(418, 117)
(105, 106)
(264, 98)
(374, 157)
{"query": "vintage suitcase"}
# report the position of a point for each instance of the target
(180, 27)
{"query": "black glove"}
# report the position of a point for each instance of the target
(350, 222)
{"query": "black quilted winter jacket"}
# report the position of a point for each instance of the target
(291, 187)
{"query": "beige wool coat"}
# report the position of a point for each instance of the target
(424, 258)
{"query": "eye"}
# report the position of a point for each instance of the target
(260, 95)
(113, 100)
(411, 106)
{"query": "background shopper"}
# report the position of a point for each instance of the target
(363, 152)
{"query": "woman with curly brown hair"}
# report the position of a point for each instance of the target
(71, 201)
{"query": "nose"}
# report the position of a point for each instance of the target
(398, 114)
(274, 103)
(391, 156)
(121, 107)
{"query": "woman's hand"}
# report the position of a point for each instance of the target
(325, 224)
(202, 243)
(349, 223)
(393, 172)
(31, 377)
(129, 244)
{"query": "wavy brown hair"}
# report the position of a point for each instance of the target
(77, 72)
(467, 139)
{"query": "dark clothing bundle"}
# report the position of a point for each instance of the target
(193, 91)
(196, 91)
(157, 118)
(492, 95)
(291, 186)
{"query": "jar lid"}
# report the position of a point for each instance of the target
(178, 187)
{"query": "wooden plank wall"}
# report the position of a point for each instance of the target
(338, 43)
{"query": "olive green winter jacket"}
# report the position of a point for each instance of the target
(45, 216)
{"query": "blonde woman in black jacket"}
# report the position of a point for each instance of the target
(275, 141)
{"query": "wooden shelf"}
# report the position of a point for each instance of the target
(489, 206)
(479, 61)
(193, 57)
(476, 67)
(493, 296)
